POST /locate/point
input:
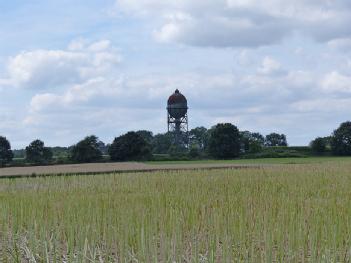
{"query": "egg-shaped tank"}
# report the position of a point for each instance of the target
(177, 105)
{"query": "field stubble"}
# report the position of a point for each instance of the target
(287, 213)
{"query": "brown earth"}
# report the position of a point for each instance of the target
(91, 168)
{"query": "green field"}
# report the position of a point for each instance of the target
(284, 213)
(297, 160)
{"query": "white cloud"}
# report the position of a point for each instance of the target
(270, 66)
(343, 44)
(322, 105)
(49, 69)
(100, 46)
(93, 90)
(243, 23)
(335, 82)
(78, 44)
(41, 101)
(168, 33)
(36, 69)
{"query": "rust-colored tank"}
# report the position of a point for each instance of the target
(177, 105)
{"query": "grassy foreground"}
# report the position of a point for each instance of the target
(290, 160)
(287, 213)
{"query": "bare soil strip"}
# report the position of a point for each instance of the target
(95, 168)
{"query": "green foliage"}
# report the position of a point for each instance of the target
(302, 149)
(37, 153)
(251, 142)
(318, 145)
(147, 135)
(328, 140)
(103, 147)
(224, 141)
(162, 142)
(21, 153)
(199, 137)
(275, 139)
(6, 155)
(277, 152)
(194, 152)
(60, 152)
(281, 152)
(87, 150)
(341, 140)
(130, 147)
(177, 151)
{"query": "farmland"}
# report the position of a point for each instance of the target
(286, 213)
(295, 160)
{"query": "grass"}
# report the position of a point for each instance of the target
(297, 160)
(285, 213)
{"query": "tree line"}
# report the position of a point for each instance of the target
(222, 141)
(339, 142)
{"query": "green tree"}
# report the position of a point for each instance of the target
(199, 137)
(341, 139)
(224, 141)
(251, 142)
(61, 152)
(147, 135)
(328, 140)
(130, 147)
(318, 145)
(162, 143)
(37, 153)
(6, 155)
(275, 139)
(177, 151)
(87, 150)
(194, 152)
(103, 147)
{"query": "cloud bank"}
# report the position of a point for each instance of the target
(242, 23)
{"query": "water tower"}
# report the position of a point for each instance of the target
(177, 117)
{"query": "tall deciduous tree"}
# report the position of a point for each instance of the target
(147, 135)
(275, 139)
(130, 147)
(251, 142)
(318, 145)
(162, 143)
(87, 150)
(224, 141)
(6, 155)
(341, 139)
(37, 153)
(199, 137)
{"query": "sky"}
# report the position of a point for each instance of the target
(69, 69)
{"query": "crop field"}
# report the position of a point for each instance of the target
(282, 213)
(265, 161)
(99, 168)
